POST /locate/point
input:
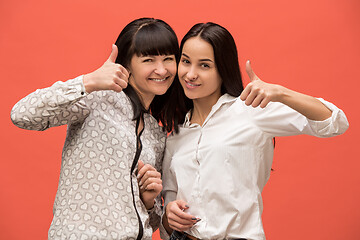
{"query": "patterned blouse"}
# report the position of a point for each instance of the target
(95, 199)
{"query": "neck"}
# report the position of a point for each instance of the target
(145, 99)
(202, 108)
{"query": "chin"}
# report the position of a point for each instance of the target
(191, 96)
(160, 92)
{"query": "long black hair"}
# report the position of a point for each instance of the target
(226, 60)
(143, 37)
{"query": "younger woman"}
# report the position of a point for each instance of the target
(112, 116)
(216, 166)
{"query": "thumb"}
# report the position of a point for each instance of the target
(140, 165)
(250, 71)
(113, 54)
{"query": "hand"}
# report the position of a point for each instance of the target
(149, 182)
(110, 76)
(177, 218)
(259, 93)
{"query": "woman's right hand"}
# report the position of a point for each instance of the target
(110, 76)
(177, 218)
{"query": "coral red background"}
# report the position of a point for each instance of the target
(309, 46)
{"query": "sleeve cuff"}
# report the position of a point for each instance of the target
(334, 125)
(83, 90)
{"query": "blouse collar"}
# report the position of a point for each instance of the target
(224, 99)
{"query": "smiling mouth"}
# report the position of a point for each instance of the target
(191, 84)
(159, 79)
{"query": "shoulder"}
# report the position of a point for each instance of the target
(157, 130)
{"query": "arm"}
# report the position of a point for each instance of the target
(57, 105)
(173, 216)
(259, 93)
(321, 118)
(306, 105)
(64, 102)
(150, 186)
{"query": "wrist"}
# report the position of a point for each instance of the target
(87, 83)
(284, 94)
(149, 205)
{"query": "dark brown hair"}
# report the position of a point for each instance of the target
(143, 37)
(226, 60)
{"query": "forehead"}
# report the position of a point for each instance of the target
(198, 48)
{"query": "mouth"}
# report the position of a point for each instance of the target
(159, 79)
(191, 85)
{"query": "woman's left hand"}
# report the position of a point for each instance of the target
(150, 183)
(259, 93)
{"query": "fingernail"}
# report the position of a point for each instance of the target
(138, 176)
(187, 206)
(193, 218)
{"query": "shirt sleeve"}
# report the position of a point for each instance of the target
(277, 119)
(155, 214)
(169, 191)
(169, 180)
(62, 103)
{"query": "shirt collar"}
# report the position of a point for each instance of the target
(226, 98)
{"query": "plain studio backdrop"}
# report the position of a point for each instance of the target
(309, 46)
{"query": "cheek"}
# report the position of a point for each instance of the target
(144, 72)
(181, 71)
(218, 83)
(172, 68)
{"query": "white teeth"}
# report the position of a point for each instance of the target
(158, 80)
(192, 85)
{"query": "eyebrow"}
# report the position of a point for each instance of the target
(200, 60)
(145, 56)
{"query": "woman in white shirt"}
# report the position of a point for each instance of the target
(216, 166)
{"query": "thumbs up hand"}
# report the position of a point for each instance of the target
(110, 76)
(259, 93)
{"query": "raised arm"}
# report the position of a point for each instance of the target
(65, 102)
(259, 93)
(60, 104)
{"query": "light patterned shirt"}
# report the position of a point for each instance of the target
(221, 167)
(94, 199)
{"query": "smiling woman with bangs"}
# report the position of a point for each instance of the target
(109, 180)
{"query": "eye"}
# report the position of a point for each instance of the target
(147, 60)
(204, 65)
(183, 60)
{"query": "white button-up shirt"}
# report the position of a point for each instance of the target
(221, 167)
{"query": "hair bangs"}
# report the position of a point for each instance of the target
(152, 40)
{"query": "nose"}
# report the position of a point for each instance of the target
(160, 69)
(191, 74)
